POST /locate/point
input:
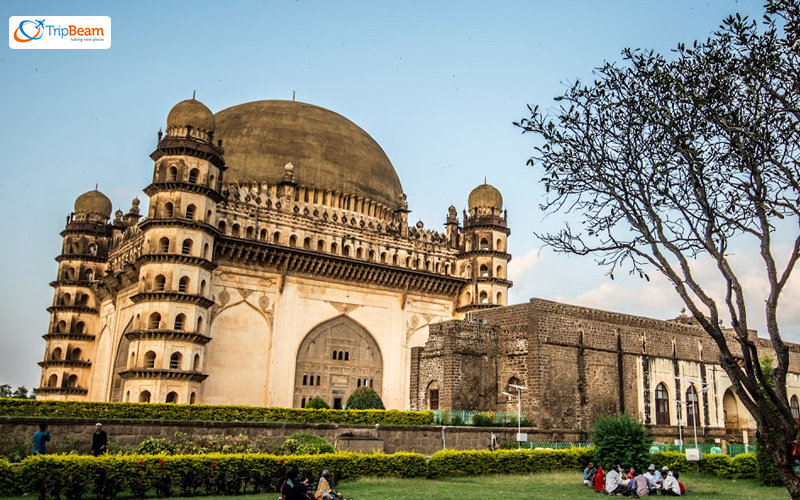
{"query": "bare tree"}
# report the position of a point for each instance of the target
(669, 159)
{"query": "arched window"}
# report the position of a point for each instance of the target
(235, 230)
(484, 245)
(150, 359)
(183, 285)
(203, 287)
(85, 300)
(180, 321)
(662, 405)
(132, 360)
(500, 273)
(394, 259)
(155, 321)
(52, 381)
(318, 379)
(347, 355)
(192, 398)
(341, 355)
(80, 327)
(303, 403)
(169, 209)
(127, 396)
(250, 232)
(222, 226)
(186, 248)
(359, 383)
(307, 244)
(172, 397)
(484, 297)
(190, 211)
(346, 251)
(334, 354)
(205, 251)
(199, 324)
(321, 246)
(144, 397)
(196, 363)
(692, 407)
(484, 271)
(193, 175)
(211, 182)
(88, 275)
(262, 235)
(795, 406)
(276, 238)
(160, 283)
(72, 381)
(76, 354)
(499, 301)
(305, 379)
(359, 253)
(292, 241)
(175, 361)
(61, 327)
(383, 257)
(433, 395)
(65, 299)
(172, 174)
(372, 256)
(512, 390)
(163, 245)
(311, 381)
(56, 355)
(334, 248)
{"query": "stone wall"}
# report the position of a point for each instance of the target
(426, 440)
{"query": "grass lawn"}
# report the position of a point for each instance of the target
(544, 486)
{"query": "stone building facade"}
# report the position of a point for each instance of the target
(274, 263)
(579, 363)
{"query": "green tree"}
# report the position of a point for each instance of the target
(317, 403)
(621, 440)
(668, 160)
(364, 398)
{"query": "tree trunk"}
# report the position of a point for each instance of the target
(777, 445)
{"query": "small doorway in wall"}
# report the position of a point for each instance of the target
(337, 403)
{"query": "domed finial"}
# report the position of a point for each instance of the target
(118, 215)
(288, 172)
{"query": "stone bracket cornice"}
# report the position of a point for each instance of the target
(496, 281)
(69, 391)
(475, 307)
(76, 309)
(68, 336)
(154, 373)
(81, 257)
(172, 296)
(187, 146)
(300, 262)
(73, 363)
(193, 337)
(176, 258)
(180, 222)
(186, 187)
(484, 253)
(83, 283)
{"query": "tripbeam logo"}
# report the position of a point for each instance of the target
(59, 32)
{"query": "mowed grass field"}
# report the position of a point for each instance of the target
(544, 486)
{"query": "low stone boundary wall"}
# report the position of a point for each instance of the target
(77, 434)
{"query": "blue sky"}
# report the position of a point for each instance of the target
(437, 84)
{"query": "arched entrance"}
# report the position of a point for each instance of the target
(120, 364)
(730, 410)
(334, 359)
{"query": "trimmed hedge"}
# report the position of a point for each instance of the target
(87, 468)
(739, 467)
(149, 411)
(8, 483)
(475, 463)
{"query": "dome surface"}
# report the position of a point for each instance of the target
(93, 201)
(485, 195)
(328, 151)
(191, 112)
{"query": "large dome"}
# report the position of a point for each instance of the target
(93, 202)
(328, 151)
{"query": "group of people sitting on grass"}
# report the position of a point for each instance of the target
(634, 483)
(295, 486)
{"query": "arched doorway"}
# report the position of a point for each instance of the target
(333, 358)
(730, 409)
(120, 364)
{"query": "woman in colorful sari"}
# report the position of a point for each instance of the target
(324, 491)
(599, 479)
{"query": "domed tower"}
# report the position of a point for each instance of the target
(74, 315)
(484, 257)
(167, 338)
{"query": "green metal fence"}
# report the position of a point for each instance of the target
(708, 449)
(467, 417)
(553, 445)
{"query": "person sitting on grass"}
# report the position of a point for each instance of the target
(614, 480)
(588, 474)
(654, 477)
(599, 479)
(671, 486)
(640, 485)
(677, 476)
(324, 491)
(293, 487)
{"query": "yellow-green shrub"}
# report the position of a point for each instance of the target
(473, 463)
(8, 482)
(147, 411)
(739, 467)
(347, 465)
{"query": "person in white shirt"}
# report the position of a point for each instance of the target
(671, 486)
(654, 478)
(614, 482)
